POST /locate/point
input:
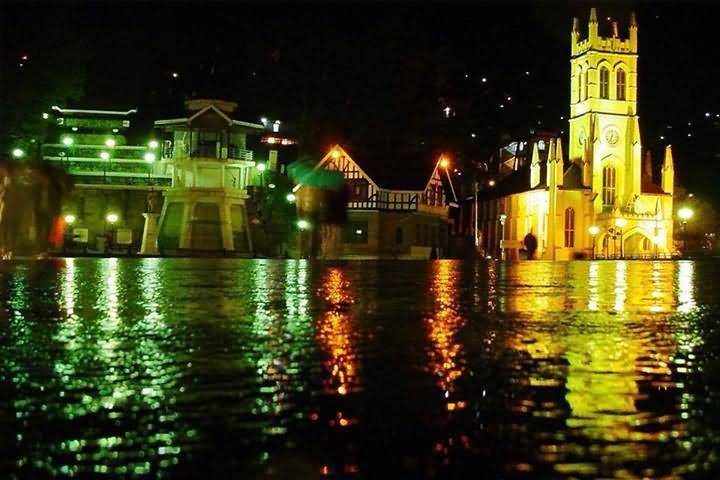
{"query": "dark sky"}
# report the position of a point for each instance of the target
(355, 71)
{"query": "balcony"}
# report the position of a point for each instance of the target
(233, 152)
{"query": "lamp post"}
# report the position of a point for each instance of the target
(69, 220)
(111, 219)
(18, 152)
(621, 223)
(105, 156)
(261, 167)
(149, 158)
(501, 218)
(594, 230)
(685, 214)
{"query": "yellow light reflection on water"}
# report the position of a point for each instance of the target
(446, 362)
(336, 334)
(606, 354)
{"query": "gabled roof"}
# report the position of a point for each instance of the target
(203, 111)
(396, 171)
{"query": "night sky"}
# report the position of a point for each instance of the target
(379, 75)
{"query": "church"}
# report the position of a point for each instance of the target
(598, 201)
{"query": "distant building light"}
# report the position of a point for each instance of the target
(111, 217)
(290, 197)
(473, 135)
(175, 75)
(74, 129)
(115, 130)
(541, 145)
(285, 141)
(271, 185)
(527, 74)
(303, 224)
(502, 105)
(508, 98)
(358, 231)
(483, 79)
(276, 126)
(594, 230)
(662, 137)
(707, 114)
(335, 154)
(447, 111)
(271, 140)
(491, 183)
(264, 121)
(691, 195)
(24, 57)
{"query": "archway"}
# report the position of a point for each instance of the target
(638, 244)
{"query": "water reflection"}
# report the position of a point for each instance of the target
(445, 357)
(607, 362)
(158, 367)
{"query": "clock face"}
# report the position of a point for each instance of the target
(612, 135)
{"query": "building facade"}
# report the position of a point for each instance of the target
(388, 215)
(598, 202)
(113, 179)
(211, 168)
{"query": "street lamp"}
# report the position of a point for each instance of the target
(110, 143)
(153, 144)
(621, 223)
(303, 224)
(501, 218)
(443, 162)
(67, 141)
(111, 218)
(18, 152)
(149, 158)
(594, 230)
(290, 197)
(685, 214)
(105, 156)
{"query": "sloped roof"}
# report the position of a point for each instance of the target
(651, 188)
(519, 181)
(396, 170)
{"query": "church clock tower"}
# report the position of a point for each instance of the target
(604, 125)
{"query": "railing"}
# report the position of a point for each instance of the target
(233, 152)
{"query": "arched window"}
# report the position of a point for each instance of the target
(569, 227)
(608, 186)
(585, 86)
(579, 85)
(604, 83)
(646, 244)
(620, 84)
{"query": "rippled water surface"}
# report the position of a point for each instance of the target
(293, 369)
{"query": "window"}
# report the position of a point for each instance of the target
(398, 236)
(358, 190)
(356, 232)
(608, 186)
(620, 84)
(646, 244)
(604, 83)
(579, 85)
(585, 86)
(569, 227)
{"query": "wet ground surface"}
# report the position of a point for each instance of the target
(292, 369)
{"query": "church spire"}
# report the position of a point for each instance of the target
(647, 167)
(668, 171)
(559, 163)
(535, 167)
(593, 26)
